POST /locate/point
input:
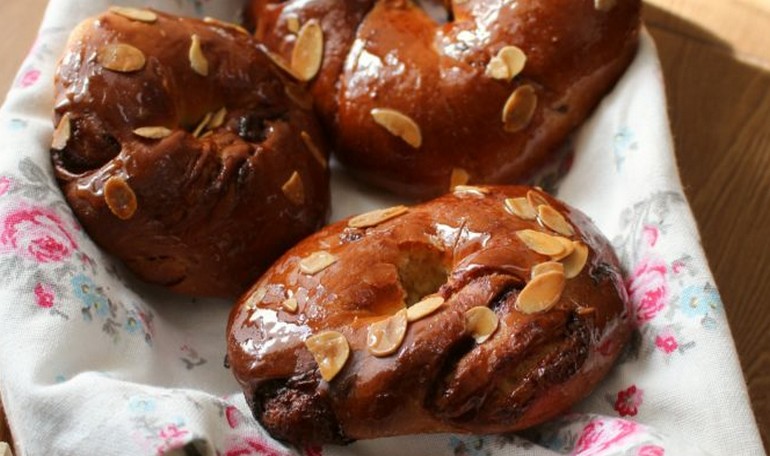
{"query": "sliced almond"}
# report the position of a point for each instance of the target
(481, 322)
(399, 124)
(374, 218)
(574, 263)
(141, 15)
(424, 308)
(120, 198)
(521, 208)
(569, 247)
(469, 190)
(62, 133)
(604, 5)
(256, 298)
(227, 25)
(290, 305)
(536, 199)
(316, 262)
(507, 64)
(294, 189)
(548, 266)
(308, 50)
(282, 64)
(541, 293)
(153, 132)
(519, 109)
(217, 119)
(459, 177)
(122, 58)
(292, 23)
(554, 220)
(198, 61)
(314, 150)
(385, 336)
(542, 243)
(202, 124)
(330, 350)
(583, 311)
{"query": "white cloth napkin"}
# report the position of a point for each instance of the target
(94, 362)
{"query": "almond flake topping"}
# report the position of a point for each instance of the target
(120, 198)
(374, 218)
(308, 51)
(316, 262)
(542, 243)
(569, 247)
(294, 189)
(314, 150)
(202, 124)
(554, 220)
(62, 133)
(481, 322)
(459, 177)
(548, 266)
(198, 61)
(399, 124)
(330, 350)
(153, 132)
(575, 262)
(385, 336)
(604, 5)
(217, 119)
(122, 58)
(256, 298)
(141, 15)
(507, 64)
(292, 23)
(227, 25)
(536, 199)
(541, 293)
(469, 190)
(290, 305)
(519, 109)
(282, 64)
(521, 208)
(422, 309)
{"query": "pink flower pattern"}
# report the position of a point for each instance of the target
(29, 78)
(600, 435)
(648, 288)
(628, 401)
(37, 233)
(5, 185)
(173, 437)
(44, 297)
(667, 344)
(651, 450)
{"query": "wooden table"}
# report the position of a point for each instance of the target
(716, 60)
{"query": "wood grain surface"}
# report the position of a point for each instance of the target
(716, 61)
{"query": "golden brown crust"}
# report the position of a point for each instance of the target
(185, 156)
(467, 249)
(391, 54)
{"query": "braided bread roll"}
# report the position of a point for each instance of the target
(180, 150)
(416, 106)
(488, 310)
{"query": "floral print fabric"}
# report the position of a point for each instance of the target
(94, 362)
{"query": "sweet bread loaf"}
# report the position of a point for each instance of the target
(487, 310)
(415, 105)
(182, 150)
